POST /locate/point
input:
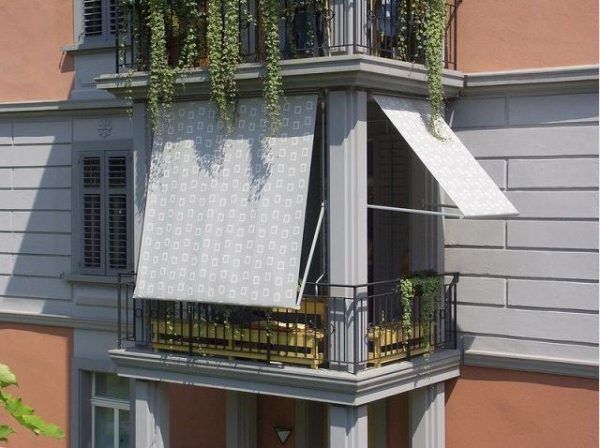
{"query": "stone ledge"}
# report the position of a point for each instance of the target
(333, 72)
(323, 385)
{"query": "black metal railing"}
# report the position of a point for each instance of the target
(337, 326)
(308, 28)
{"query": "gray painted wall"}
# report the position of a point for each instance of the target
(36, 229)
(528, 286)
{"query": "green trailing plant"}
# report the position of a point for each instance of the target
(436, 23)
(23, 414)
(421, 28)
(406, 297)
(426, 287)
(272, 83)
(223, 45)
(162, 75)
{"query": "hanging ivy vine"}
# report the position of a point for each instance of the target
(436, 24)
(272, 84)
(162, 75)
(420, 33)
(421, 28)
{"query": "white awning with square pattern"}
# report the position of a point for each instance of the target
(449, 161)
(224, 217)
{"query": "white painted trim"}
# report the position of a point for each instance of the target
(322, 385)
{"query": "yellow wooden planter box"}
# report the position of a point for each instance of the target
(294, 343)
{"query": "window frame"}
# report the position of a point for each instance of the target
(115, 404)
(103, 150)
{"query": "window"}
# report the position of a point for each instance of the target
(99, 18)
(110, 411)
(105, 212)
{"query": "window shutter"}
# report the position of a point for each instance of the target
(112, 16)
(117, 213)
(92, 17)
(92, 212)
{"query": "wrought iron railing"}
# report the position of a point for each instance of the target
(308, 28)
(337, 326)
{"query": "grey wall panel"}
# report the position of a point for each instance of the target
(496, 169)
(44, 266)
(523, 110)
(553, 294)
(6, 134)
(529, 348)
(35, 199)
(479, 112)
(25, 243)
(466, 232)
(555, 204)
(5, 221)
(6, 263)
(38, 155)
(550, 325)
(531, 291)
(28, 132)
(39, 221)
(531, 141)
(483, 290)
(552, 234)
(5, 177)
(523, 263)
(42, 177)
(35, 287)
(553, 173)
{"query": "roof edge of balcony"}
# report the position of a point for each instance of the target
(323, 385)
(332, 72)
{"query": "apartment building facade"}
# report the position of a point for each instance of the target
(510, 355)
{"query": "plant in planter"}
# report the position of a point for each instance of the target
(426, 286)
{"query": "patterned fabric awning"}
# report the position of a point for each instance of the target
(449, 161)
(224, 217)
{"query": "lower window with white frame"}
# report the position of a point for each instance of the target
(111, 423)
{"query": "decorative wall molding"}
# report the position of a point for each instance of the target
(531, 364)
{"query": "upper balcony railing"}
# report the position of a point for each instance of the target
(348, 328)
(308, 28)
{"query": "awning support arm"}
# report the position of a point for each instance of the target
(413, 211)
(311, 252)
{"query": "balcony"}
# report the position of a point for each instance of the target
(338, 327)
(308, 29)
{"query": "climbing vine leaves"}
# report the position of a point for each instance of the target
(183, 36)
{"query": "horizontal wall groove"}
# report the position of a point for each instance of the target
(522, 338)
(550, 308)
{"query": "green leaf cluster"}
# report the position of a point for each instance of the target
(22, 413)
(427, 287)
(422, 25)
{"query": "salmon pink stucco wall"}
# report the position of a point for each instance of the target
(496, 35)
(197, 417)
(41, 358)
(495, 408)
(275, 412)
(32, 34)
(398, 433)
